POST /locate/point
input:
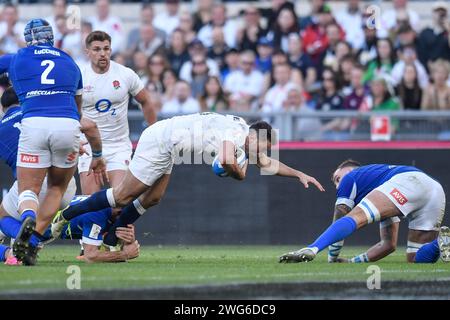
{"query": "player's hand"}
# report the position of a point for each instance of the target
(131, 250)
(126, 234)
(82, 148)
(98, 168)
(306, 180)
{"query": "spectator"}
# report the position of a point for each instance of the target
(389, 18)
(344, 73)
(197, 47)
(219, 19)
(112, 25)
(301, 61)
(157, 63)
(351, 20)
(59, 8)
(359, 92)
(219, 48)
(177, 53)
(409, 90)
(408, 56)
(316, 6)
(213, 98)
(169, 80)
(368, 51)
(231, 64)
(169, 19)
(183, 102)
(251, 32)
(80, 56)
(140, 65)
(286, 23)
(381, 96)
(334, 40)
(437, 95)
(11, 30)
(149, 42)
(433, 41)
(279, 57)
(306, 128)
(67, 39)
(383, 63)
(271, 14)
(147, 14)
(277, 94)
(406, 36)
(202, 15)
(187, 26)
(199, 75)
(330, 99)
(245, 85)
(264, 50)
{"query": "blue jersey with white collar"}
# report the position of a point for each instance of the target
(88, 227)
(46, 81)
(9, 137)
(356, 184)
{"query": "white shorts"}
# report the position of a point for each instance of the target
(152, 158)
(418, 197)
(47, 142)
(117, 158)
(10, 201)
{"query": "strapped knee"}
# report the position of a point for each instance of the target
(28, 195)
(372, 213)
(413, 247)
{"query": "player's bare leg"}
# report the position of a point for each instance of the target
(88, 184)
(379, 207)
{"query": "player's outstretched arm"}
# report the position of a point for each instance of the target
(227, 158)
(272, 166)
(143, 97)
(93, 254)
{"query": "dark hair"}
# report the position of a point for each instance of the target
(9, 98)
(221, 96)
(97, 36)
(336, 80)
(349, 163)
(402, 89)
(393, 56)
(266, 128)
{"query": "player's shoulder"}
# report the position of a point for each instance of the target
(119, 68)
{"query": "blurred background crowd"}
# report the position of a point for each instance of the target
(270, 58)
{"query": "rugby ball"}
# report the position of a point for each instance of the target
(217, 168)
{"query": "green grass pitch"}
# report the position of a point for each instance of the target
(186, 265)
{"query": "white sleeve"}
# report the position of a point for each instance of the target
(135, 83)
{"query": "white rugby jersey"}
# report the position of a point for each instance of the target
(105, 101)
(205, 132)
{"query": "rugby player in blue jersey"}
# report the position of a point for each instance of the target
(379, 192)
(49, 86)
(89, 228)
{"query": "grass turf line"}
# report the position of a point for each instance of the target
(187, 265)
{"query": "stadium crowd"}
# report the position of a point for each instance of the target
(270, 59)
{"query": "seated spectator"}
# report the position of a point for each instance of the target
(11, 30)
(359, 92)
(67, 39)
(231, 64)
(409, 90)
(433, 41)
(312, 17)
(333, 58)
(199, 75)
(149, 43)
(389, 17)
(384, 62)
(368, 51)
(344, 74)
(168, 20)
(301, 61)
(408, 56)
(196, 47)
(244, 86)
(187, 26)
(271, 14)
(183, 102)
(406, 37)
(381, 96)
(251, 31)
(219, 48)
(202, 16)
(330, 99)
(279, 57)
(351, 20)
(264, 51)
(140, 65)
(213, 98)
(333, 38)
(277, 94)
(169, 81)
(437, 95)
(287, 23)
(157, 63)
(177, 53)
(219, 19)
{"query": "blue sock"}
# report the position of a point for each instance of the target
(35, 239)
(339, 230)
(128, 216)
(28, 213)
(10, 227)
(95, 202)
(3, 250)
(428, 253)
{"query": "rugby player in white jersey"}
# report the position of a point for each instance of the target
(107, 87)
(201, 135)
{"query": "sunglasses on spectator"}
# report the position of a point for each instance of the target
(156, 62)
(196, 63)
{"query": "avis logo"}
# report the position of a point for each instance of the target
(399, 197)
(29, 158)
(116, 84)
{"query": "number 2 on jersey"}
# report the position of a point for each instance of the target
(44, 76)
